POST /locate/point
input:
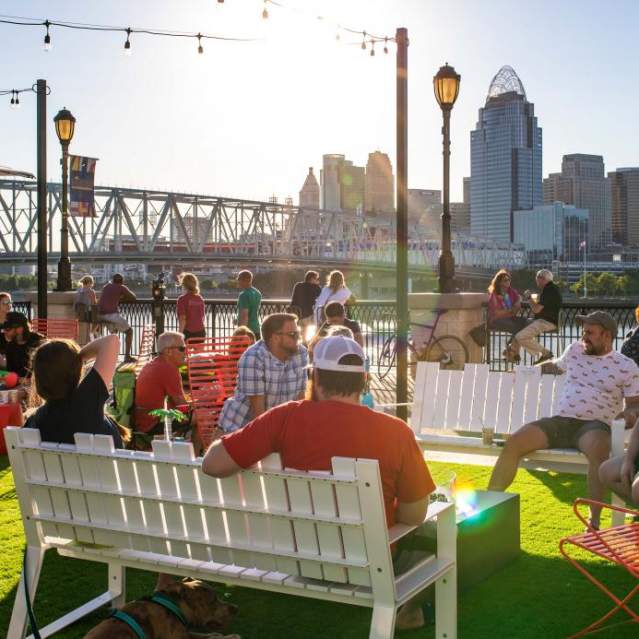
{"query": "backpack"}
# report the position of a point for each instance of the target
(123, 395)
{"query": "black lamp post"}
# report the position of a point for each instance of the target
(446, 85)
(64, 127)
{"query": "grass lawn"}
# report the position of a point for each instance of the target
(537, 596)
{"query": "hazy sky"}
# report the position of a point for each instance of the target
(248, 119)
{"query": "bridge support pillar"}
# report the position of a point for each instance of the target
(464, 311)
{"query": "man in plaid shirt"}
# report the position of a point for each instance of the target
(270, 373)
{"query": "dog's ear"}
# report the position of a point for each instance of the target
(172, 587)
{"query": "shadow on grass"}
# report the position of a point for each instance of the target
(565, 487)
(530, 598)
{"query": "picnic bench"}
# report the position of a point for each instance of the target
(320, 535)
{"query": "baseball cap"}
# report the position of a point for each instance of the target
(605, 320)
(330, 350)
(15, 320)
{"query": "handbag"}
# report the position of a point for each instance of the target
(479, 335)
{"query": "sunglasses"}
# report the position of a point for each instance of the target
(5, 303)
(182, 349)
(291, 334)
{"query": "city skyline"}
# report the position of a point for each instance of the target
(192, 137)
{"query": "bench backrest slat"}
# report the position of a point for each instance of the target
(504, 403)
(454, 395)
(464, 417)
(441, 397)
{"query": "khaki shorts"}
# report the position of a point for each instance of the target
(120, 324)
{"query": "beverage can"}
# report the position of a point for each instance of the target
(487, 434)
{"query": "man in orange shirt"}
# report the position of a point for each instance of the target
(160, 379)
(307, 434)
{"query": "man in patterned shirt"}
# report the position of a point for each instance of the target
(271, 372)
(598, 380)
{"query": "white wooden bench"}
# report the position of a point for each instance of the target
(451, 407)
(311, 534)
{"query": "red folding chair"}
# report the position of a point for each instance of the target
(212, 369)
(147, 344)
(619, 545)
(61, 328)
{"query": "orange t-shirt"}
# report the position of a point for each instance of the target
(157, 380)
(307, 434)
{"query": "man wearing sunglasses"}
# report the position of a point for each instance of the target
(160, 379)
(270, 372)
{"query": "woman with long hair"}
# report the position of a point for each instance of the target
(504, 304)
(73, 405)
(334, 291)
(190, 308)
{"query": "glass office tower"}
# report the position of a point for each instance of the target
(505, 159)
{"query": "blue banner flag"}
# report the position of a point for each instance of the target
(82, 175)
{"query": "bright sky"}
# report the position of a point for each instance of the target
(247, 120)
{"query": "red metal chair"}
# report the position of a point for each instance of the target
(61, 328)
(147, 344)
(619, 545)
(212, 371)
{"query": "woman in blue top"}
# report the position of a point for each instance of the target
(73, 405)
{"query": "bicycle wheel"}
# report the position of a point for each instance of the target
(386, 359)
(449, 351)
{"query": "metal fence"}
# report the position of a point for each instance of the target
(567, 332)
(376, 318)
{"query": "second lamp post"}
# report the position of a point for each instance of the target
(64, 127)
(446, 85)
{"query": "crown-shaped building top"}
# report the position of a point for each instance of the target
(505, 80)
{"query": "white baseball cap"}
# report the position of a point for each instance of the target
(330, 350)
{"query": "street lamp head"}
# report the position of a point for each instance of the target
(446, 85)
(64, 125)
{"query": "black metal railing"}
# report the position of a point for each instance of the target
(22, 307)
(568, 331)
(376, 318)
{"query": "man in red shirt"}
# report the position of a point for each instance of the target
(307, 434)
(109, 309)
(160, 379)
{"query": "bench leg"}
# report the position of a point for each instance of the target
(446, 606)
(117, 585)
(18, 623)
(383, 622)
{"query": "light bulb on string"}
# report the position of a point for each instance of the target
(364, 41)
(200, 48)
(17, 104)
(47, 37)
(13, 101)
(372, 48)
(386, 44)
(265, 11)
(127, 44)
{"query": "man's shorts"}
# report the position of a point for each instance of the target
(565, 432)
(117, 320)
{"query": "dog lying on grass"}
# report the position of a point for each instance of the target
(191, 604)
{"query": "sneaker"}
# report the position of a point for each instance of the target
(544, 358)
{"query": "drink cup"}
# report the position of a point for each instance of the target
(487, 434)
(4, 396)
(14, 396)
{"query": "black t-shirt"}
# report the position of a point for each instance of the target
(550, 299)
(19, 355)
(348, 323)
(304, 296)
(81, 412)
(3, 343)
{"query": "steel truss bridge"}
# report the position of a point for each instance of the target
(143, 225)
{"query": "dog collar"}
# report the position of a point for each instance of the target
(129, 621)
(169, 604)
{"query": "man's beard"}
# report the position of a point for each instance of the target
(591, 349)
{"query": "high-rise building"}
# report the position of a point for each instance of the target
(343, 184)
(310, 193)
(380, 191)
(552, 232)
(624, 199)
(505, 159)
(460, 211)
(582, 182)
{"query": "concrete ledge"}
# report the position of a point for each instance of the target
(425, 301)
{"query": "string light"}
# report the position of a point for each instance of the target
(47, 37)
(364, 41)
(265, 11)
(15, 95)
(200, 48)
(386, 44)
(13, 101)
(372, 48)
(127, 44)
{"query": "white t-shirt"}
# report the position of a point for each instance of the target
(595, 386)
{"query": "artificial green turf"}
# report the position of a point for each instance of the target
(537, 596)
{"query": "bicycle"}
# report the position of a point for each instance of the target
(448, 350)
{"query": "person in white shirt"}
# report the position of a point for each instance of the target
(335, 291)
(598, 380)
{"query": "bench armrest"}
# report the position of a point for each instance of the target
(396, 532)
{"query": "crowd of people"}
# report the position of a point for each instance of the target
(302, 398)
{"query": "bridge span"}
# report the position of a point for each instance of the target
(157, 227)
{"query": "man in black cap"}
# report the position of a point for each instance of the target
(21, 342)
(598, 380)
